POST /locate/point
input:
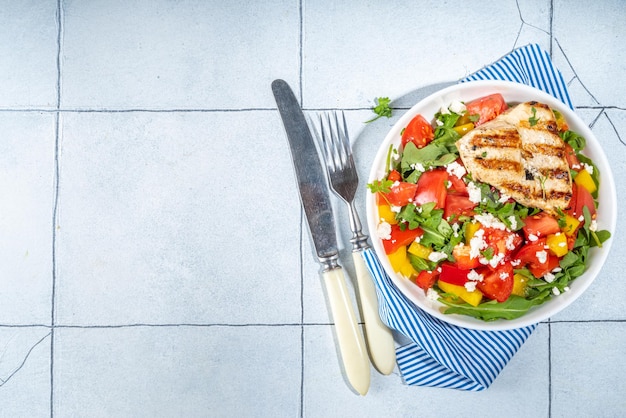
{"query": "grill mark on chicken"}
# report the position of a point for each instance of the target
(500, 164)
(502, 139)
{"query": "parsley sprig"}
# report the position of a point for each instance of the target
(382, 108)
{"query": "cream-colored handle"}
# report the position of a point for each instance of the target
(349, 336)
(379, 338)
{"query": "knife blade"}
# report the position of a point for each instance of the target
(315, 199)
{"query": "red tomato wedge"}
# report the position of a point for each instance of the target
(419, 131)
(497, 284)
(401, 193)
(539, 270)
(537, 258)
(426, 279)
(394, 175)
(457, 205)
(452, 274)
(583, 198)
(457, 186)
(572, 159)
(503, 242)
(487, 108)
(431, 187)
(400, 238)
(540, 225)
(461, 254)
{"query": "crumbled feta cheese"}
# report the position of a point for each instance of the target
(384, 230)
(516, 263)
(396, 209)
(456, 169)
(542, 256)
(589, 168)
(438, 122)
(593, 226)
(503, 198)
(548, 277)
(490, 221)
(555, 291)
(417, 239)
(496, 259)
(581, 218)
(395, 184)
(444, 110)
(474, 276)
(576, 166)
(510, 245)
(566, 289)
(431, 294)
(477, 243)
(475, 195)
(532, 237)
(557, 269)
(562, 244)
(513, 221)
(504, 275)
(418, 167)
(470, 286)
(437, 256)
(457, 107)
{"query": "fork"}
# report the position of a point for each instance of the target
(343, 179)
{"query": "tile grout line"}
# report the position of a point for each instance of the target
(57, 122)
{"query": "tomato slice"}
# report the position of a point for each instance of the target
(572, 159)
(461, 254)
(583, 198)
(431, 187)
(497, 284)
(487, 108)
(394, 175)
(528, 253)
(458, 205)
(541, 224)
(504, 242)
(539, 270)
(426, 279)
(401, 193)
(452, 274)
(419, 131)
(457, 186)
(400, 238)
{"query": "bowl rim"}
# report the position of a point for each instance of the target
(607, 211)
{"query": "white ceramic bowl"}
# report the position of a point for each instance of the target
(512, 93)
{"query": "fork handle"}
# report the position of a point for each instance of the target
(349, 337)
(379, 338)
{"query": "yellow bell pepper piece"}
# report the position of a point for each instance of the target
(557, 243)
(463, 129)
(473, 298)
(520, 282)
(419, 250)
(386, 214)
(401, 264)
(584, 179)
(571, 224)
(470, 230)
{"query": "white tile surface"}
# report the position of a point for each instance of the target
(179, 279)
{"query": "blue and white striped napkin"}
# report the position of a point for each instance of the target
(444, 355)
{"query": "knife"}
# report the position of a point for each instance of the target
(315, 199)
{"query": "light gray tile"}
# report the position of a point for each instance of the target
(594, 52)
(177, 217)
(26, 210)
(28, 68)
(187, 54)
(355, 52)
(588, 368)
(25, 371)
(177, 371)
(327, 394)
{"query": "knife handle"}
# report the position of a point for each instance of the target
(349, 337)
(379, 338)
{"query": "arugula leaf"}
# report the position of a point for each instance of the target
(576, 141)
(382, 108)
(513, 307)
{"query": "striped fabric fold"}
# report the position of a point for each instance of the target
(444, 355)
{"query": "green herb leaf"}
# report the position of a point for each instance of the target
(513, 307)
(533, 119)
(382, 108)
(382, 186)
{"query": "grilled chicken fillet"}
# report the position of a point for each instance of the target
(520, 153)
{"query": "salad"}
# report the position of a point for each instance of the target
(466, 242)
